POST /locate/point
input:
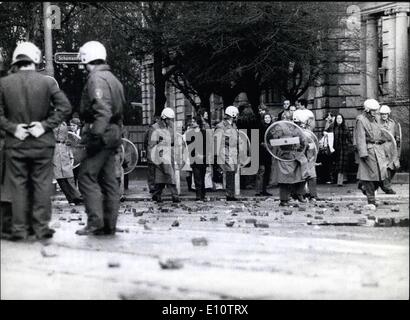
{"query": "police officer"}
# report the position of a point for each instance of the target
(227, 136)
(160, 154)
(302, 117)
(391, 126)
(31, 106)
(101, 110)
(369, 142)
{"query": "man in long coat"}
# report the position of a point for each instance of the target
(160, 154)
(372, 156)
(391, 151)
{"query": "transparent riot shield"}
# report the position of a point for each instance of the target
(77, 150)
(129, 156)
(285, 140)
(244, 152)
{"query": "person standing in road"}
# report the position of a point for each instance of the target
(265, 159)
(342, 143)
(101, 111)
(369, 142)
(31, 106)
(227, 137)
(63, 170)
(160, 154)
(394, 164)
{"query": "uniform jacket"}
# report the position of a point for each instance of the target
(62, 157)
(160, 144)
(367, 138)
(27, 96)
(101, 108)
(226, 144)
(391, 152)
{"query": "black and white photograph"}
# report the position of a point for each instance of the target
(213, 151)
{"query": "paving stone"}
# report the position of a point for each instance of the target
(287, 212)
(336, 209)
(384, 222)
(142, 221)
(309, 215)
(250, 220)
(302, 209)
(261, 225)
(202, 218)
(229, 223)
(48, 252)
(318, 218)
(171, 264)
(213, 219)
(199, 242)
(395, 209)
(175, 224)
(370, 207)
(357, 211)
(320, 211)
(113, 264)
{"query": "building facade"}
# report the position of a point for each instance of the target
(372, 53)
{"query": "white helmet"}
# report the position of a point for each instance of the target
(232, 111)
(26, 51)
(92, 50)
(371, 104)
(384, 109)
(167, 113)
(300, 116)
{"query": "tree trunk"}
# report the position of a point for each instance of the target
(159, 83)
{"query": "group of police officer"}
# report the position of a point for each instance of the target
(31, 106)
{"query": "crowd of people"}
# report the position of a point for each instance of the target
(36, 118)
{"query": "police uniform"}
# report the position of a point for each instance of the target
(227, 153)
(391, 126)
(101, 110)
(25, 97)
(160, 155)
(372, 163)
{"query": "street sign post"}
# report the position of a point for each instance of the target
(67, 58)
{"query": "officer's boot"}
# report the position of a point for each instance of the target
(111, 208)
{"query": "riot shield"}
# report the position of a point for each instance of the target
(244, 152)
(313, 145)
(181, 157)
(284, 140)
(129, 156)
(77, 150)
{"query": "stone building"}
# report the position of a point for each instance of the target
(372, 53)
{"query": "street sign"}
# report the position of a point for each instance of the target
(67, 58)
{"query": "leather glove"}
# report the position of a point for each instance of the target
(36, 129)
(21, 132)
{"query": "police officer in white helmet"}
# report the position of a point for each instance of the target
(227, 138)
(31, 106)
(391, 126)
(160, 155)
(369, 144)
(101, 111)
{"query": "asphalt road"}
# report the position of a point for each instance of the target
(188, 251)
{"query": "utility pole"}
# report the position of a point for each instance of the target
(48, 42)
